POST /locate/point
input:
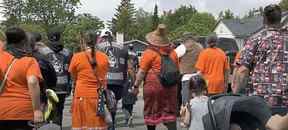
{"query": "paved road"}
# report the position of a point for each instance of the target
(138, 117)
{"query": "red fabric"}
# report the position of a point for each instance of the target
(160, 104)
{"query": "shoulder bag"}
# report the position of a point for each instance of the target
(3, 82)
(106, 102)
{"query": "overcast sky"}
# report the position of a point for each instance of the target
(106, 8)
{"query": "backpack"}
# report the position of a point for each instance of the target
(169, 73)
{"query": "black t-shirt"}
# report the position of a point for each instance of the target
(118, 61)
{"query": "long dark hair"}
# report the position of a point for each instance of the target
(90, 39)
(197, 85)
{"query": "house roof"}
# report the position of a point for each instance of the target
(247, 27)
(132, 41)
(244, 27)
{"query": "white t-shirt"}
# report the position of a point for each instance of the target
(180, 50)
(199, 108)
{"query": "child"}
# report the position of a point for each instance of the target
(198, 103)
(129, 98)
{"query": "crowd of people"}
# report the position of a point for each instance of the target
(103, 72)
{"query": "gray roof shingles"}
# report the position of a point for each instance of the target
(247, 27)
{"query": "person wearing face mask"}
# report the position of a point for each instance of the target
(60, 58)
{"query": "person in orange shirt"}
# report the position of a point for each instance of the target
(213, 65)
(160, 102)
(85, 100)
(20, 95)
(2, 40)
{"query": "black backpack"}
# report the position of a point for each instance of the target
(169, 73)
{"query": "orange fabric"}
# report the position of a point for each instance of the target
(81, 71)
(152, 60)
(84, 115)
(212, 63)
(16, 102)
(86, 96)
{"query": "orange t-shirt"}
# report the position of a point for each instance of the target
(83, 74)
(16, 101)
(152, 60)
(212, 63)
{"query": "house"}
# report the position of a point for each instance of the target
(241, 29)
(138, 46)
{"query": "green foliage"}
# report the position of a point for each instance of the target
(124, 19)
(284, 5)
(155, 18)
(143, 24)
(200, 24)
(13, 11)
(44, 12)
(82, 23)
(179, 17)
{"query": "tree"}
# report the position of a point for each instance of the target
(284, 5)
(43, 12)
(143, 24)
(179, 17)
(13, 11)
(124, 19)
(200, 24)
(228, 14)
(50, 12)
(81, 23)
(155, 18)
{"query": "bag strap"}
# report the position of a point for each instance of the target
(2, 85)
(94, 70)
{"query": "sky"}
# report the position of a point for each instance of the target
(105, 9)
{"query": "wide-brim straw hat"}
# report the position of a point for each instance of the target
(158, 37)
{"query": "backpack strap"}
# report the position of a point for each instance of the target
(3, 83)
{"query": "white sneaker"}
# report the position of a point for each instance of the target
(130, 121)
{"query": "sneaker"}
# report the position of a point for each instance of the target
(130, 121)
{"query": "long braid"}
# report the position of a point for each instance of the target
(91, 41)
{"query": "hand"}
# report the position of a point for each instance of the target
(277, 122)
(38, 116)
(135, 91)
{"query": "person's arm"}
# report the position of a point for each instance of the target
(246, 60)
(139, 78)
(145, 64)
(240, 79)
(34, 89)
(226, 73)
(226, 79)
(278, 122)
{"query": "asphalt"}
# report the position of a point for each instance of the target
(138, 120)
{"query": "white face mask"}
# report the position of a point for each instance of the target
(180, 50)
